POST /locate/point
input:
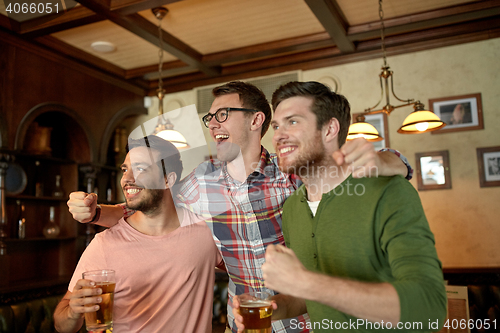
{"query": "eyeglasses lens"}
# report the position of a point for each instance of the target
(220, 115)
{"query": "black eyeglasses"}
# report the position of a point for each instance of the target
(221, 114)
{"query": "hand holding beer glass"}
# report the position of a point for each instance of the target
(102, 319)
(256, 309)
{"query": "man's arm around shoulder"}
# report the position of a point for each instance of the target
(364, 161)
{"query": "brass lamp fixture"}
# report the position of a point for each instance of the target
(164, 128)
(419, 121)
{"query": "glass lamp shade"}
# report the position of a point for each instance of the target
(363, 130)
(165, 130)
(176, 138)
(421, 121)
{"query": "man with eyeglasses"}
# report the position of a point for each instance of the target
(242, 192)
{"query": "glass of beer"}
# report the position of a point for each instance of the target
(102, 319)
(256, 310)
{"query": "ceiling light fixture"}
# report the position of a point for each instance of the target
(103, 47)
(419, 121)
(164, 128)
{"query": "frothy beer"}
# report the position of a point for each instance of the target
(256, 315)
(102, 319)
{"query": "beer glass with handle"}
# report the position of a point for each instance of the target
(256, 309)
(102, 319)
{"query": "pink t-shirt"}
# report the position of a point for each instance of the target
(163, 283)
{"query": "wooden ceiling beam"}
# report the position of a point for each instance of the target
(426, 20)
(295, 44)
(143, 28)
(141, 71)
(167, 74)
(140, 26)
(73, 18)
(331, 17)
(9, 24)
(272, 49)
(81, 15)
(284, 60)
(430, 34)
(239, 71)
(126, 7)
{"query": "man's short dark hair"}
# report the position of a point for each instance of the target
(170, 158)
(326, 104)
(251, 97)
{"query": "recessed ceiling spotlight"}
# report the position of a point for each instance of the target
(103, 47)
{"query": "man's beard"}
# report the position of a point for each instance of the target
(149, 204)
(308, 161)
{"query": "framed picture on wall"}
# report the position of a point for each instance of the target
(488, 160)
(379, 121)
(460, 113)
(433, 170)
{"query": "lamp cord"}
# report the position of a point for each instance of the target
(382, 30)
(160, 55)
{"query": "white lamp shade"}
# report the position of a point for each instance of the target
(176, 138)
(421, 122)
(363, 130)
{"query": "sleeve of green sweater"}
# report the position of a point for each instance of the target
(408, 243)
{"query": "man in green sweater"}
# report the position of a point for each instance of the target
(360, 256)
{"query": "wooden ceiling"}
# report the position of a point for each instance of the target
(211, 41)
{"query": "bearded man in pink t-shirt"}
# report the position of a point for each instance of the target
(163, 256)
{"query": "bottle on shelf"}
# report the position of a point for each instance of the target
(38, 180)
(58, 191)
(51, 229)
(96, 188)
(111, 188)
(21, 223)
(89, 185)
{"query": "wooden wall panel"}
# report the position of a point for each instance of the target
(32, 78)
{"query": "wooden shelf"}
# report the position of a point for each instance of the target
(37, 263)
(32, 197)
(26, 155)
(45, 158)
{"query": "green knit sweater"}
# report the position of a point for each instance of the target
(372, 230)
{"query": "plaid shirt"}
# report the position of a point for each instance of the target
(244, 218)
